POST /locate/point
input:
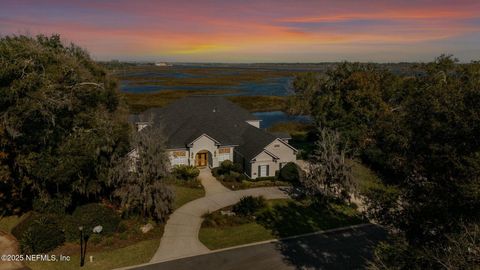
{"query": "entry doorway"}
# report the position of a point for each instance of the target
(201, 159)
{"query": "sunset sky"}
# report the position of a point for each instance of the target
(255, 31)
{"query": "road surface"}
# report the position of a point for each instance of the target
(338, 249)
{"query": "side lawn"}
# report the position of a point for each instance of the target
(278, 219)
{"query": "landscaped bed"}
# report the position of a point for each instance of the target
(137, 253)
(125, 245)
(277, 219)
(232, 177)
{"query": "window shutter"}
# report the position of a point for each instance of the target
(259, 169)
(268, 170)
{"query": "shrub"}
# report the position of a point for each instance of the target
(266, 178)
(41, 234)
(216, 219)
(289, 173)
(186, 172)
(227, 167)
(247, 206)
(216, 171)
(89, 216)
(53, 206)
(233, 177)
(23, 225)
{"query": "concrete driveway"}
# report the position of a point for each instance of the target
(9, 245)
(180, 238)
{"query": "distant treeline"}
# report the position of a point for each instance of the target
(401, 68)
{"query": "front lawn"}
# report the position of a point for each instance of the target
(229, 236)
(184, 194)
(280, 218)
(137, 253)
(127, 246)
(9, 222)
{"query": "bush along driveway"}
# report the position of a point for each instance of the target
(180, 238)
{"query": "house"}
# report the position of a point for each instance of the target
(206, 130)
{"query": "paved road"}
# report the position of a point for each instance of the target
(341, 249)
(180, 238)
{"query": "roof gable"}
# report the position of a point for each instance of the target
(206, 136)
(284, 143)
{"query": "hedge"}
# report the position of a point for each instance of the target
(39, 234)
(89, 216)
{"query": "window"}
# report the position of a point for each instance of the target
(276, 145)
(224, 150)
(223, 154)
(178, 161)
(263, 170)
(179, 153)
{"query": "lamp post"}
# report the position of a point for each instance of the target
(83, 242)
(82, 250)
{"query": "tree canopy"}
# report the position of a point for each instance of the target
(61, 119)
(420, 133)
(140, 178)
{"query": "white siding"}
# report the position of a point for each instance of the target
(224, 156)
(204, 143)
(263, 159)
(176, 157)
(278, 148)
(282, 151)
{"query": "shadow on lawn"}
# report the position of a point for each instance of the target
(296, 218)
(344, 249)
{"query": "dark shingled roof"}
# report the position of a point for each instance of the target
(282, 135)
(187, 119)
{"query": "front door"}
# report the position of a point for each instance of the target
(201, 160)
(263, 170)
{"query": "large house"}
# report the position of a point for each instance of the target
(206, 130)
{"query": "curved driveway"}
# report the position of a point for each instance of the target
(180, 238)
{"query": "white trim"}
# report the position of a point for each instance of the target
(285, 143)
(215, 141)
(253, 160)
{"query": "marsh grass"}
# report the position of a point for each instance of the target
(139, 102)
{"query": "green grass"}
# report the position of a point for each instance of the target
(185, 194)
(281, 218)
(139, 102)
(365, 178)
(9, 222)
(215, 238)
(137, 253)
(292, 128)
(296, 218)
(260, 103)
